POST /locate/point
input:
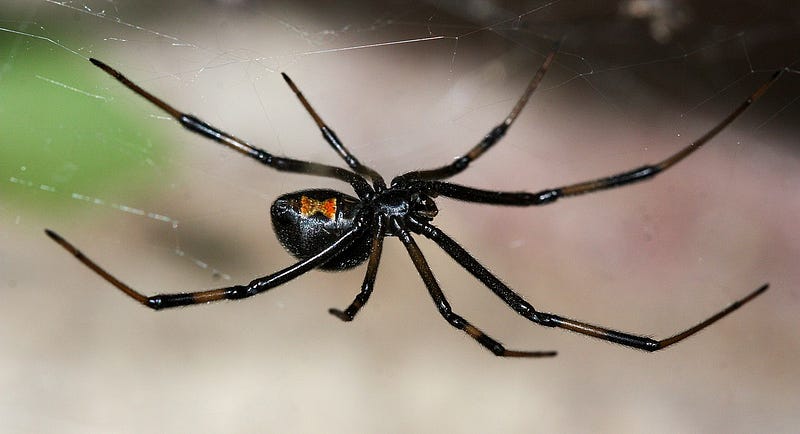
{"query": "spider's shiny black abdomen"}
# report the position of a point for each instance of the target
(307, 219)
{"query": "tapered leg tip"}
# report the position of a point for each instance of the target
(52, 235)
(340, 314)
(528, 354)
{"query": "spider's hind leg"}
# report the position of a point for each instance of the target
(257, 286)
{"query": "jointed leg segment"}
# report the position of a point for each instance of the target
(255, 287)
(494, 136)
(522, 307)
(330, 136)
(200, 127)
(393, 213)
(369, 279)
(443, 306)
(543, 197)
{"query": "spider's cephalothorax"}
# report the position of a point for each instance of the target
(329, 230)
(402, 204)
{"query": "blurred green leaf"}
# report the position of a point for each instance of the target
(64, 137)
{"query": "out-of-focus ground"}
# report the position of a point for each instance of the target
(631, 85)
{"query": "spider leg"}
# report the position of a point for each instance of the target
(369, 279)
(522, 307)
(443, 306)
(639, 174)
(494, 136)
(200, 127)
(257, 286)
(330, 136)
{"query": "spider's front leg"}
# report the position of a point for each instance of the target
(525, 309)
(330, 136)
(550, 195)
(490, 139)
(257, 286)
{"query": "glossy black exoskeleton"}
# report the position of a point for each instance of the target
(307, 219)
(330, 230)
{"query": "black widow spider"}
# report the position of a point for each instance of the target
(330, 230)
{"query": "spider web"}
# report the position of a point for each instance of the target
(407, 85)
(475, 58)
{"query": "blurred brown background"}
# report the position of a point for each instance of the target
(406, 85)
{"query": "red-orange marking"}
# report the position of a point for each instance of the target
(309, 206)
